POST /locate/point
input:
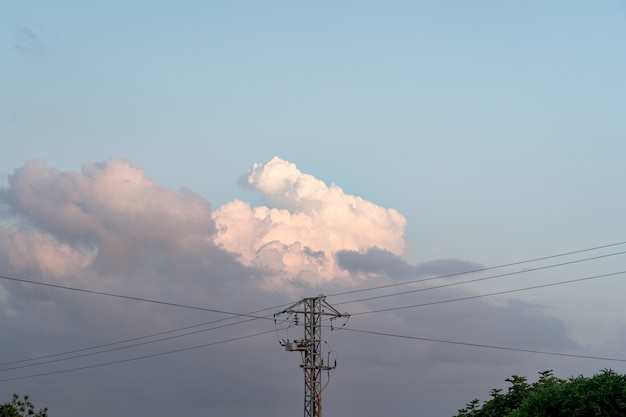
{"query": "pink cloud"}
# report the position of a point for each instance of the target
(303, 225)
(110, 209)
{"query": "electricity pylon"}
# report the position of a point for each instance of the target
(313, 309)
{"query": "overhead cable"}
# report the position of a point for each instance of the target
(104, 345)
(481, 279)
(137, 358)
(82, 355)
(477, 270)
(471, 297)
(252, 315)
(127, 297)
(478, 345)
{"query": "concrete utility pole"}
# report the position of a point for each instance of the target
(313, 309)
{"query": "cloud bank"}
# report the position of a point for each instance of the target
(378, 262)
(110, 228)
(303, 224)
(109, 219)
(109, 216)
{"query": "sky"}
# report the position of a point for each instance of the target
(172, 175)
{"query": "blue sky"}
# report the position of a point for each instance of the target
(496, 129)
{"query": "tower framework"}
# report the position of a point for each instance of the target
(313, 309)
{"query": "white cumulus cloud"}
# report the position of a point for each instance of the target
(304, 223)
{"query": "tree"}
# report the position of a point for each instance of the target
(503, 405)
(21, 408)
(602, 395)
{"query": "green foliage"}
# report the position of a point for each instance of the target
(603, 395)
(501, 405)
(21, 408)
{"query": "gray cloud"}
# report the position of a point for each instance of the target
(376, 261)
(111, 228)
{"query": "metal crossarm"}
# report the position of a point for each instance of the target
(313, 309)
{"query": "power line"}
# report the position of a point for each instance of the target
(138, 338)
(266, 317)
(353, 314)
(127, 297)
(83, 290)
(252, 317)
(471, 297)
(426, 339)
(543, 258)
(138, 357)
(367, 332)
(355, 330)
(126, 341)
(110, 343)
(121, 347)
(483, 278)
